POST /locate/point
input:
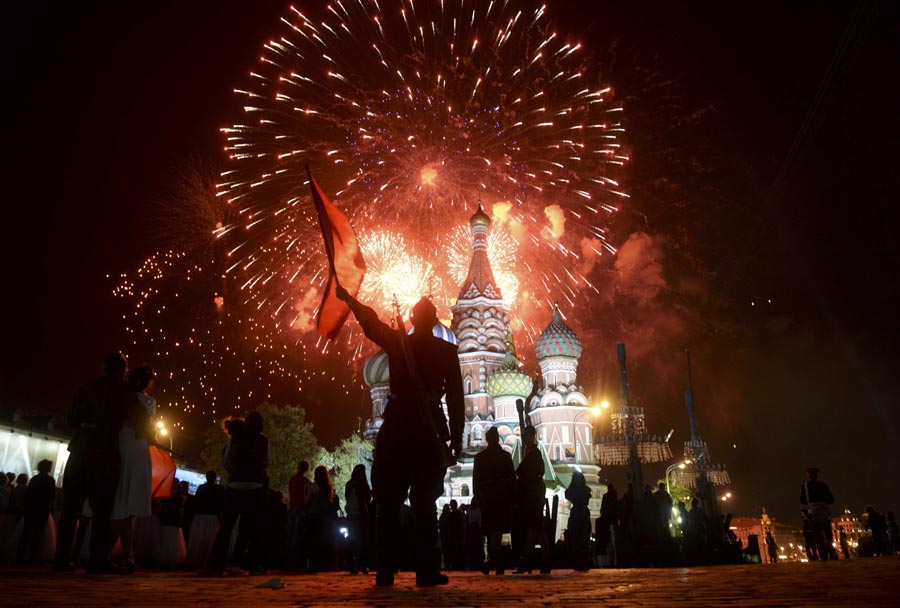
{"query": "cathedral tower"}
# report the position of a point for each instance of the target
(480, 321)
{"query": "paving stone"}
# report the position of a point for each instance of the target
(870, 582)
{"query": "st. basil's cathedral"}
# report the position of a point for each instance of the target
(493, 380)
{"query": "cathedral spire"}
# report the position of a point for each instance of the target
(480, 280)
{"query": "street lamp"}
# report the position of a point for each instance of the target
(594, 412)
(162, 431)
(678, 465)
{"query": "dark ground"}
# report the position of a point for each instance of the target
(866, 582)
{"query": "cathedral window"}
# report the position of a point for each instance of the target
(464, 490)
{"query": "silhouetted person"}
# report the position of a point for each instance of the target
(817, 496)
(275, 516)
(133, 498)
(662, 503)
(358, 503)
(5, 495)
(474, 539)
(444, 535)
(696, 533)
(842, 541)
(40, 495)
(209, 502)
(410, 451)
(609, 516)
(494, 484)
(456, 529)
(322, 513)
(876, 524)
(893, 532)
(92, 471)
(530, 498)
(810, 546)
(771, 547)
(300, 488)
(245, 458)
(578, 530)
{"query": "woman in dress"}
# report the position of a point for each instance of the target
(358, 498)
(135, 476)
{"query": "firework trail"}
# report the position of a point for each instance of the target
(217, 351)
(410, 113)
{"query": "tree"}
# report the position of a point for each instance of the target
(291, 439)
(344, 457)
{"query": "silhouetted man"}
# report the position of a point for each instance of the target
(409, 450)
(494, 484)
(39, 497)
(662, 501)
(92, 471)
(817, 496)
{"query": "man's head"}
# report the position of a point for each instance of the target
(424, 315)
(114, 365)
(303, 466)
(211, 477)
(453, 505)
(660, 486)
(254, 423)
(813, 473)
(45, 466)
(141, 377)
(493, 436)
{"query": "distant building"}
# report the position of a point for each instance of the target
(493, 381)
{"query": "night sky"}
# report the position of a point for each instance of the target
(764, 208)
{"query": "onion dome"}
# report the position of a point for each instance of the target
(509, 379)
(441, 331)
(480, 218)
(558, 340)
(376, 369)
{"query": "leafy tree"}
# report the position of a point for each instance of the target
(343, 458)
(291, 439)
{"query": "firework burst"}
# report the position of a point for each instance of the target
(410, 112)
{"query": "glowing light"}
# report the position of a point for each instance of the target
(429, 175)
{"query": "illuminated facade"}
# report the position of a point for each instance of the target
(493, 380)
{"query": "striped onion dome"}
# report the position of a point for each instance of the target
(558, 340)
(509, 379)
(376, 369)
(441, 331)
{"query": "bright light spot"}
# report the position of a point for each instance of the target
(428, 175)
(163, 432)
(604, 404)
(159, 424)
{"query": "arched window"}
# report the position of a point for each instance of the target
(464, 490)
(468, 385)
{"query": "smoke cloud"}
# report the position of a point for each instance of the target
(306, 311)
(557, 227)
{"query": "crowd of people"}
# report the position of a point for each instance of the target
(109, 516)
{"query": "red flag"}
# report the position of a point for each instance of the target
(345, 262)
(162, 473)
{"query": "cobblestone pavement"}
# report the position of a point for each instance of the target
(869, 582)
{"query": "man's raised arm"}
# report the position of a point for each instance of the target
(375, 329)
